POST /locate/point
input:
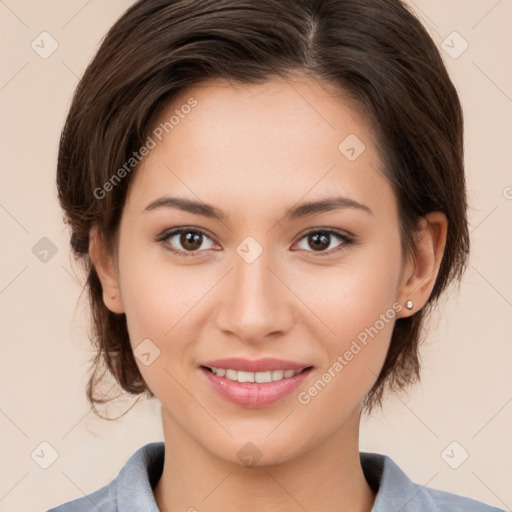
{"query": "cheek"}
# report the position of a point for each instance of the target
(355, 354)
(158, 308)
(158, 296)
(351, 296)
(355, 312)
(163, 303)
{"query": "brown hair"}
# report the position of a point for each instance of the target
(376, 51)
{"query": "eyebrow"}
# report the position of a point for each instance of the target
(296, 212)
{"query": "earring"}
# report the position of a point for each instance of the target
(112, 297)
(409, 304)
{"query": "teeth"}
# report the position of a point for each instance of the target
(263, 377)
(260, 377)
(246, 376)
(231, 374)
(277, 375)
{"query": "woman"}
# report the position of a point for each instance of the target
(268, 198)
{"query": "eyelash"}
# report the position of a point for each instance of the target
(341, 237)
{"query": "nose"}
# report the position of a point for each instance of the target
(256, 304)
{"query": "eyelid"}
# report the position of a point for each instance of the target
(333, 231)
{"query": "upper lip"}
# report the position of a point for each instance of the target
(258, 365)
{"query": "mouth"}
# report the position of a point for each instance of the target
(254, 384)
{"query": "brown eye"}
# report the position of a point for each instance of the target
(190, 240)
(186, 241)
(324, 241)
(319, 241)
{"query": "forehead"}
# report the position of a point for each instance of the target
(276, 141)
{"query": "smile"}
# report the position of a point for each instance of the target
(257, 377)
(253, 390)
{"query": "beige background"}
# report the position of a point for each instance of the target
(466, 394)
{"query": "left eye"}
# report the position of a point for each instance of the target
(322, 241)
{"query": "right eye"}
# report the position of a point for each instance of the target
(188, 241)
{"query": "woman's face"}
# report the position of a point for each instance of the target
(263, 275)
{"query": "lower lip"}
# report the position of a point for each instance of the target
(254, 395)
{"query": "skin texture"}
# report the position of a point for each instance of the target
(254, 152)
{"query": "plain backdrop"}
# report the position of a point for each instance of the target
(463, 406)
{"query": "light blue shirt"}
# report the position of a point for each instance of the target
(131, 490)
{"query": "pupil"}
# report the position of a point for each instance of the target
(319, 241)
(191, 240)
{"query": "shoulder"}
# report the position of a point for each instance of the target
(447, 501)
(396, 491)
(130, 490)
(102, 499)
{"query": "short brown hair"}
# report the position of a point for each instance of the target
(376, 51)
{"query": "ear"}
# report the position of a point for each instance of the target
(106, 268)
(419, 275)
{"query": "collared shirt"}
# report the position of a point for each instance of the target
(131, 490)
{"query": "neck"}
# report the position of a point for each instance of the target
(328, 477)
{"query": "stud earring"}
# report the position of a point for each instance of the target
(409, 304)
